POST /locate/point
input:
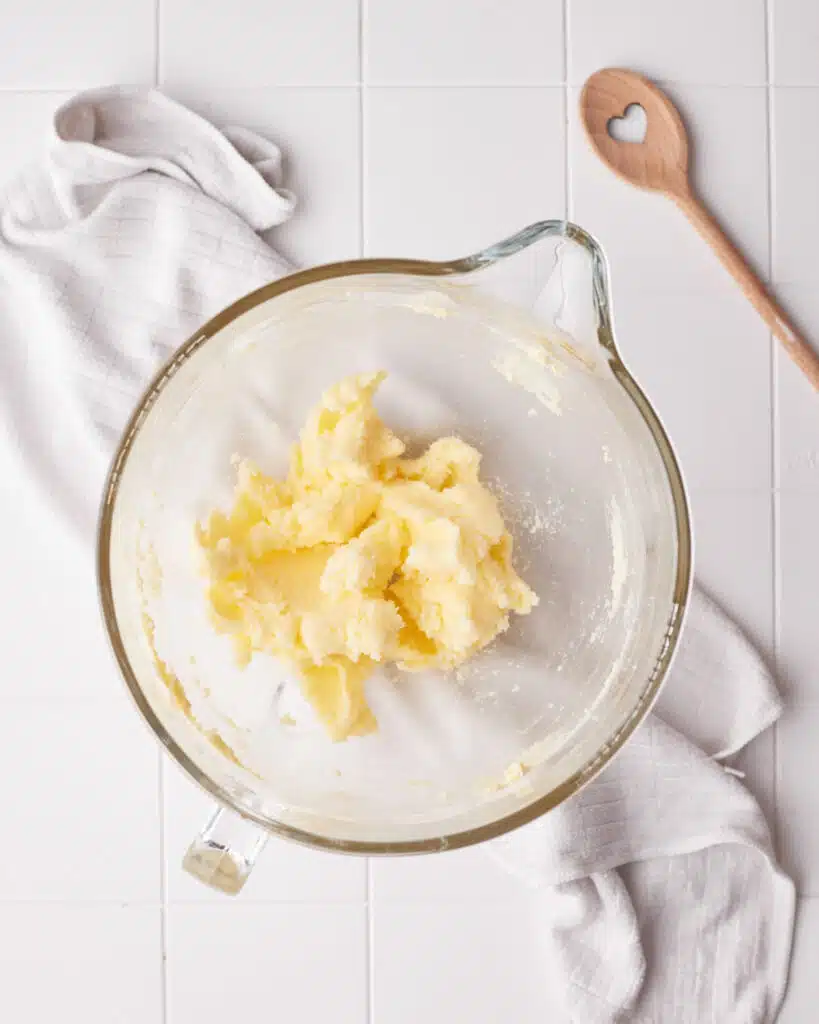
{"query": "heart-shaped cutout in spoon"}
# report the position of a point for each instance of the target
(660, 162)
(631, 127)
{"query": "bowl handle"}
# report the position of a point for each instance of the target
(223, 854)
(557, 270)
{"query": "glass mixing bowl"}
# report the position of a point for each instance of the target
(511, 349)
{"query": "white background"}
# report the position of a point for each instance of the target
(415, 128)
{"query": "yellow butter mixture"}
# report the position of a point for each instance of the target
(361, 557)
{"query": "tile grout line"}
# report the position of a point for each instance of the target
(75, 86)
(369, 942)
(567, 175)
(774, 400)
(362, 14)
(157, 40)
(163, 891)
(160, 778)
(117, 903)
(369, 973)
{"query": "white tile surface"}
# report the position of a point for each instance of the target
(461, 876)
(80, 803)
(476, 962)
(435, 192)
(733, 540)
(249, 43)
(57, 647)
(47, 45)
(795, 198)
(25, 122)
(712, 42)
(285, 873)
(795, 37)
(519, 42)
(647, 239)
(95, 964)
(733, 545)
(318, 130)
(299, 963)
(798, 798)
(685, 348)
(799, 567)
(803, 993)
(798, 409)
(798, 752)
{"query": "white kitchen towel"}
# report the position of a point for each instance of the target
(660, 896)
(141, 223)
(660, 893)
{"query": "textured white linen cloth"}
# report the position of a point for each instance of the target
(658, 889)
(662, 900)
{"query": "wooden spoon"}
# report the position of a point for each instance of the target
(660, 163)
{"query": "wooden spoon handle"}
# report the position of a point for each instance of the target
(795, 345)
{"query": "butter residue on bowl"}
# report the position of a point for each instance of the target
(360, 557)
